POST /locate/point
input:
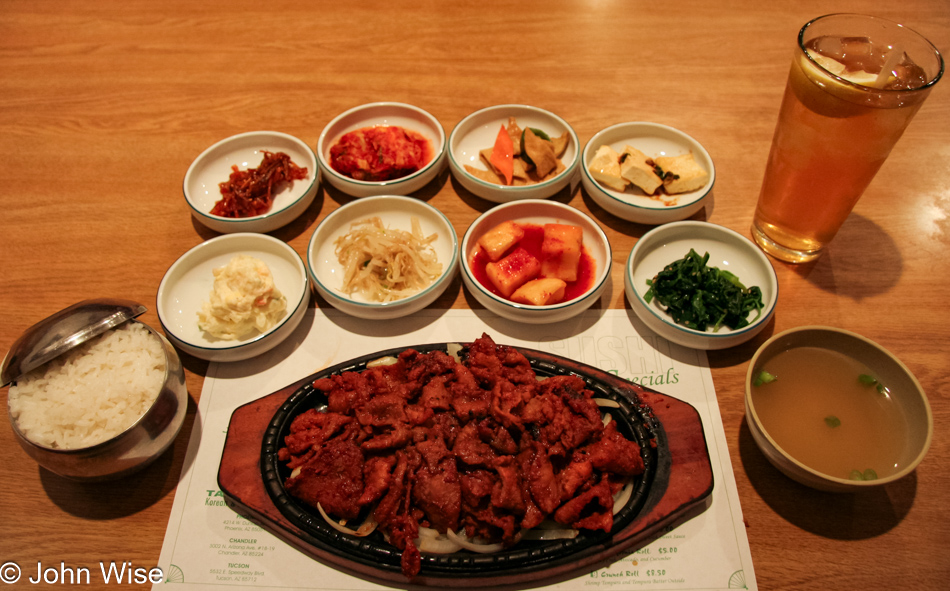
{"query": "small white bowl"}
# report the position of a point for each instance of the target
(728, 250)
(189, 282)
(213, 166)
(397, 212)
(478, 131)
(386, 113)
(903, 388)
(537, 211)
(653, 140)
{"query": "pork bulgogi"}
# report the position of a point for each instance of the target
(484, 447)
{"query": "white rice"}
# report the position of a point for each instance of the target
(91, 393)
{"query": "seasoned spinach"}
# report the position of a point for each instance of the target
(701, 297)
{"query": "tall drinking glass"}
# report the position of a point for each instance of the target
(855, 83)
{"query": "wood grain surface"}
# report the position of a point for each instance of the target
(104, 104)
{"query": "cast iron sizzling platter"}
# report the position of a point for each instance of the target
(632, 421)
(676, 484)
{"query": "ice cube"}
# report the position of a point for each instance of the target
(856, 48)
(827, 46)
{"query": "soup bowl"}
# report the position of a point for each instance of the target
(885, 383)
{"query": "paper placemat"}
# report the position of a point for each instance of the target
(209, 546)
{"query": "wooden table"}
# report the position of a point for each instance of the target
(103, 105)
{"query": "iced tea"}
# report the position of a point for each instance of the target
(848, 99)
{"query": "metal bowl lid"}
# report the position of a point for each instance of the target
(65, 330)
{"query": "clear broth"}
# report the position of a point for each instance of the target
(814, 384)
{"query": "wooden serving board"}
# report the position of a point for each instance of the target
(681, 488)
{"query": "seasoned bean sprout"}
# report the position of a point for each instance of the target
(384, 264)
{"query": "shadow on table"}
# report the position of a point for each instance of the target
(861, 262)
(482, 205)
(840, 516)
(426, 193)
(130, 494)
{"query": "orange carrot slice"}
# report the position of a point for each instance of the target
(503, 155)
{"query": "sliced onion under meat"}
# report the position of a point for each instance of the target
(468, 544)
(388, 360)
(606, 403)
(363, 530)
(453, 350)
(433, 542)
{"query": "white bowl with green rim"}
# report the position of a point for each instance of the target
(728, 251)
(408, 117)
(538, 212)
(212, 167)
(478, 131)
(653, 139)
(397, 212)
(189, 282)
